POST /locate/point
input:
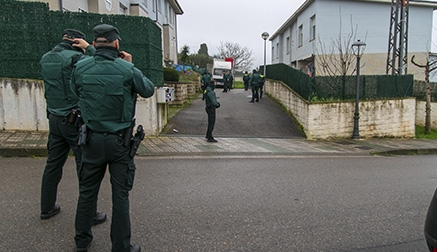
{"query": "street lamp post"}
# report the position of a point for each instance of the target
(358, 49)
(265, 36)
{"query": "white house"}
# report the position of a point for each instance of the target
(299, 41)
(163, 12)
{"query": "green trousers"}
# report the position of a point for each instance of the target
(62, 139)
(101, 151)
(211, 122)
(255, 96)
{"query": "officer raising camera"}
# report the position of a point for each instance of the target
(107, 84)
(64, 116)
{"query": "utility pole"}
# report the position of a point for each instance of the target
(397, 57)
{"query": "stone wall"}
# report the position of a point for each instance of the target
(379, 118)
(183, 91)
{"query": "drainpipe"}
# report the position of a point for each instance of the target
(156, 11)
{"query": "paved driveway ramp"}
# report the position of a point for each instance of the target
(236, 117)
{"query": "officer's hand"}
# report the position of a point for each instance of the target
(81, 43)
(126, 56)
(218, 105)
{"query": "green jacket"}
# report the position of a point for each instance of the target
(262, 79)
(255, 79)
(56, 68)
(206, 79)
(210, 98)
(107, 87)
(246, 77)
(227, 78)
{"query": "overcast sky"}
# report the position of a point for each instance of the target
(237, 21)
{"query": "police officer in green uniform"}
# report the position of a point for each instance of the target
(230, 80)
(63, 114)
(107, 86)
(246, 78)
(205, 78)
(227, 81)
(254, 84)
(211, 105)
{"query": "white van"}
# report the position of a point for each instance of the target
(218, 68)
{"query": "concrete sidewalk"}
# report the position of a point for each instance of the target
(31, 143)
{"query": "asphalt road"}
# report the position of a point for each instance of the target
(297, 203)
(236, 117)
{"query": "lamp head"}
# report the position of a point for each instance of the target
(358, 47)
(265, 35)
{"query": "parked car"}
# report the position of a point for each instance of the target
(431, 224)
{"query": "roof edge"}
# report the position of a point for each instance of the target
(294, 16)
(175, 5)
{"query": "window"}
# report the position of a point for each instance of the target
(277, 50)
(300, 35)
(172, 15)
(288, 45)
(123, 9)
(313, 27)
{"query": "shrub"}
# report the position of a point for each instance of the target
(171, 75)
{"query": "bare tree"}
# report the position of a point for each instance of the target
(429, 67)
(242, 55)
(337, 58)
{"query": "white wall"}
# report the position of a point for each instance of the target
(23, 107)
(420, 114)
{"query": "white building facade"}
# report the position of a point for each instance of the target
(311, 30)
(163, 12)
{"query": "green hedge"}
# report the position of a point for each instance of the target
(323, 88)
(171, 74)
(29, 29)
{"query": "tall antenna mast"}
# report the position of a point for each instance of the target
(397, 57)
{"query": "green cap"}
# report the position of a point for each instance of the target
(72, 33)
(105, 31)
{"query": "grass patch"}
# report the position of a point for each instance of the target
(420, 133)
(193, 77)
(238, 84)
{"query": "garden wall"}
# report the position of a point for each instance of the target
(378, 118)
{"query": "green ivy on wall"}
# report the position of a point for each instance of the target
(29, 29)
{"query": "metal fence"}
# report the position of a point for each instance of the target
(327, 88)
(29, 29)
(419, 90)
